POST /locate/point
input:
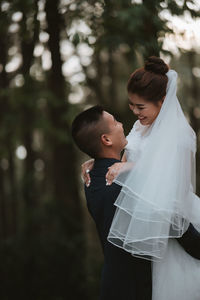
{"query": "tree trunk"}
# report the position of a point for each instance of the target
(4, 111)
(28, 107)
(150, 32)
(64, 177)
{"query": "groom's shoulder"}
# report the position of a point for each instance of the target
(98, 190)
(100, 199)
(98, 187)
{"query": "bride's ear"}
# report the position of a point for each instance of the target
(163, 98)
(106, 140)
(160, 102)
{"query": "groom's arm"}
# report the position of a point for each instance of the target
(190, 241)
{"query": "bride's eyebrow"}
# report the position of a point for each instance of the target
(139, 105)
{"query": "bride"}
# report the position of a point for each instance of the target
(157, 200)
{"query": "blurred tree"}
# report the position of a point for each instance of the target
(188, 68)
(21, 121)
(4, 82)
(125, 31)
(29, 31)
(63, 154)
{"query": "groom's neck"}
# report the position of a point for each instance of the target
(110, 154)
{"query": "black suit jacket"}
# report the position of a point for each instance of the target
(124, 277)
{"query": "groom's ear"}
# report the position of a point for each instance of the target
(105, 139)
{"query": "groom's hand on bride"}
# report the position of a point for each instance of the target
(86, 168)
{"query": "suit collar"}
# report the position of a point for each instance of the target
(105, 162)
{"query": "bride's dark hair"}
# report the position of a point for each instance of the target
(150, 82)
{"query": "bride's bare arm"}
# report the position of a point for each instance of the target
(115, 170)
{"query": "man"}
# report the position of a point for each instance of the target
(124, 277)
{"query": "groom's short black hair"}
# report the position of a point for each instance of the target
(87, 129)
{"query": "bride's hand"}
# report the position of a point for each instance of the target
(86, 168)
(113, 171)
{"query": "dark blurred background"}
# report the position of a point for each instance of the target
(56, 59)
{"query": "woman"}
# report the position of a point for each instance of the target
(157, 200)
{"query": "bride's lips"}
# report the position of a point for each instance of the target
(141, 118)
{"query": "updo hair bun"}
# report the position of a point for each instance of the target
(156, 65)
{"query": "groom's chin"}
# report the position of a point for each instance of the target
(125, 143)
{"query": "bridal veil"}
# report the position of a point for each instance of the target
(157, 200)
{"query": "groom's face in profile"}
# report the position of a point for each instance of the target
(115, 132)
(98, 134)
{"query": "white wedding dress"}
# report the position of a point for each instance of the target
(157, 200)
(177, 275)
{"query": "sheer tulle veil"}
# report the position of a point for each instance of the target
(157, 199)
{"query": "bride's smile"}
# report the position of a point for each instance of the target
(146, 111)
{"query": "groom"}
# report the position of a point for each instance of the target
(124, 277)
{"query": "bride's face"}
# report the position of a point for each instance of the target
(145, 111)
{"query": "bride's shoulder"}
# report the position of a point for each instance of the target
(137, 125)
(135, 128)
(138, 129)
